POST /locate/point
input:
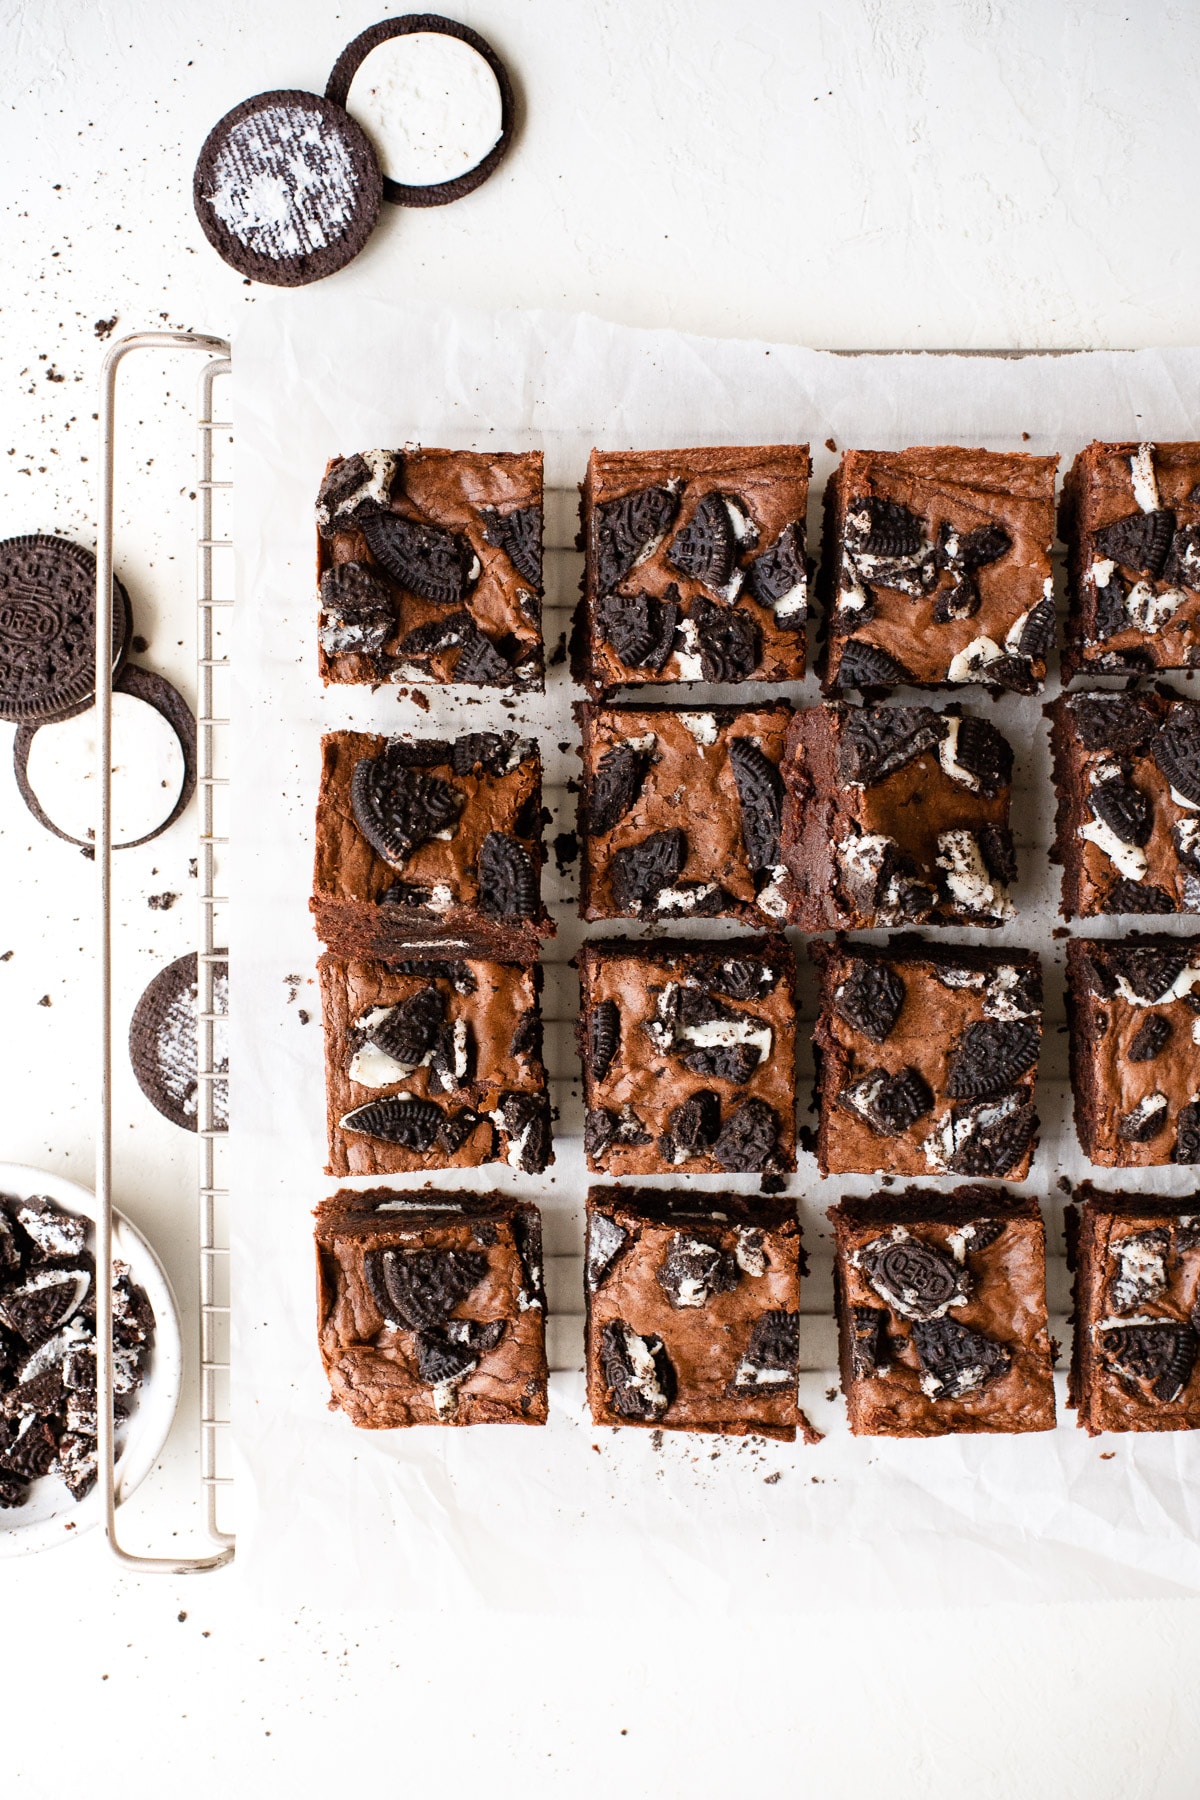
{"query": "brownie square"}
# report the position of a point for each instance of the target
(941, 1309)
(433, 1065)
(1127, 776)
(693, 1311)
(695, 566)
(1134, 1014)
(935, 569)
(896, 815)
(430, 568)
(1130, 518)
(424, 838)
(431, 1309)
(926, 1058)
(689, 1056)
(680, 812)
(1136, 1259)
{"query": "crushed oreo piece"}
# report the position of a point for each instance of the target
(879, 740)
(890, 1104)
(738, 977)
(354, 487)
(748, 1139)
(867, 666)
(868, 1342)
(519, 535)
(999, 853)
(452, 1058)
(616, 784)
(486, 751)
(1125, 809)
(971, 549)
(961, 601)
(508, 883)
(693, 1271)
(425, 560)
(456, 1128)
(628, 529)
(772, 1356)
(1187, 1134)
(1109, 614)
(990, 1138)
(604, 1037)
(954, 1359)
(410, 1028)
(1149, 970)
(760, 791)
(417, 1289)
(396, 807)
(1126, 896)
(357, 611)
(734, 1063)
(728, 642)
(53, 1232)
(412, 1124)
(706, 548)
(918, 1280)
(984, 753)
(692, 1127)
(1141, 1259)
(639, 628)
(447, 1355)
(878, 527)
(525, 1120)
(1117, 722)
(605, 1241)
(1039, 632)
(780, 571)
(637, 1372)
(1150, 1039)
(870, 999)
(1176, 749)
(990, 1055)
(1144, 1121)
(482, 664)
(1140, 541)
(1159, 1356)
(1013, 673)
(640, 872)
(438, 634)
(599, 1131)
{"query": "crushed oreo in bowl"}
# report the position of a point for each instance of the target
(48, 1418)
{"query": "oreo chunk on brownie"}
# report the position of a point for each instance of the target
(926, 1059)
(1130, 517)
(936, 570)
(695, 566)
(681, 812)
(1127, 776)
(688, 1054)
(693, 1311)
(941, 1310)
(431, 1308)
(896, 815)
(1134, 1010)
(1135, 1362)
(433, 1064)
(430, 568)
(426, 838)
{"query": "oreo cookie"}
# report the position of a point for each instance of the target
(287, 188)
(50, 759)
(389, 83)
(164, 1048)
(48, 628)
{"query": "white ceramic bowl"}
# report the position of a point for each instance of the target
(50, 1516)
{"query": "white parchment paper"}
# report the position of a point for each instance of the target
(573, 1518)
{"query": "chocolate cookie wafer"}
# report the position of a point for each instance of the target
(48, 628)
(287, 188)
(163, 1043)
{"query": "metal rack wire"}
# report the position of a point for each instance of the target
(212, 665)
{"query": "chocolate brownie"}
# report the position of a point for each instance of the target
(896, 815)
(431, 1308)
(1130, 517)
(433, 1065)
(680, 812)
(688, 1054)
(695, 566)
(941, 1308)
(1134, 1011)
(430, 568)
(427, 838)
(936, 569)
(1127, 776)
(693, 1311)
(926, 1058)
(1135, 1363)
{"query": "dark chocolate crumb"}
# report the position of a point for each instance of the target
(45, 1000)
(770, 1480)
(566, 850)
(161, 902)
(140, 644)
(303, 1016)
(558, 655)
(104, 328)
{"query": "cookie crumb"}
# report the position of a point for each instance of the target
(161, 902)
(45, 1000)
(770, 1480)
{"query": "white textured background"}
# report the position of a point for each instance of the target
(843, 174)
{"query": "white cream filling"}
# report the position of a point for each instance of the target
(749, 1254)
(770, 899)
(1145, 484)
(968, 663)
(1146, 1109)
(147, 765)
(948, 757)
(946, 1139)
(967, 878)
(1149, 610)
(1126, 857)
(684, 900)
(429, 103)
(1101, 571)
(1183, 984)
(703, 727)
(722, 1034)
(998, 1000)
(688, 657)
(643, 1375)
(1181, 800)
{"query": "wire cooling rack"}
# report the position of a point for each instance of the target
(214, 595)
